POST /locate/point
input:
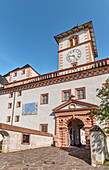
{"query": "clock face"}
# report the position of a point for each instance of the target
(73, 55)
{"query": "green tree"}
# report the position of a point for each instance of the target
(102, 112)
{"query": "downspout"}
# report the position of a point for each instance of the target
(13, 108)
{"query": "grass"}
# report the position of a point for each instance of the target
(106, 163)
(1, 145)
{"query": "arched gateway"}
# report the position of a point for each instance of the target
(70, 118)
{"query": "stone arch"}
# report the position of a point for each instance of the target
(69, 120)
(61, 138)
(6, 141)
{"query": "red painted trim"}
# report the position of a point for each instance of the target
(23, 130)
(23, 143)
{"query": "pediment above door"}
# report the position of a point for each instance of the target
(74, 105)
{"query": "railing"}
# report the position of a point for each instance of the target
(92, 65)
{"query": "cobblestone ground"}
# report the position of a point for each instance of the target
(48, 158)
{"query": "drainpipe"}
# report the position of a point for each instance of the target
(13, 108)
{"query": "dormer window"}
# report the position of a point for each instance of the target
(23, 72)
(15, 74)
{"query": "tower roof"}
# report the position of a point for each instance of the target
(77, 29)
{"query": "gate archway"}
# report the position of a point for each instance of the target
(62, 121)
(76, 133)
(69, 111)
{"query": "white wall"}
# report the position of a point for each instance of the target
(13, 142)
(45, 115)
(21, 76)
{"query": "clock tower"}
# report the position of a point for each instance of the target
(76, 46)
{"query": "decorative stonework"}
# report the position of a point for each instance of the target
(69, 76)
(60, 60)
(65, 116)
(61, 138)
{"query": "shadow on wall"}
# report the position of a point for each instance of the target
(80, 152)
(98, 144)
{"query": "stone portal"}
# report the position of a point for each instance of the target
(76, 112)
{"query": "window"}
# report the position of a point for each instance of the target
(8, 119)
(44, 98)
(44, 127)
(23, 72)
(80, 93)
(18, 104)
(66, 94)
(73, 40)
(9, 105)
(15, 74)
(10, 95)
(25, 139)
(19, 93)
(17, 118)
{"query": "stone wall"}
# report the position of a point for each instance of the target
(98, 145)
(13, 136)
(108, 143)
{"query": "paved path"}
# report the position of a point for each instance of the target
(48, 158)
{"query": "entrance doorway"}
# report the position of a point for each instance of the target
(76, 133)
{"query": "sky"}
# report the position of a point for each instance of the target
(28, 27)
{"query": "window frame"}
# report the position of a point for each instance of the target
(17, 104)
(41, 98)
(15, 74)
(24, 143)
(11, 95)
(9, 105)
(16, 118)
(65, 91)
(23, 72)
(76, 93)
(19, 93)
(40, 128)
(73, 41)
(7, 119)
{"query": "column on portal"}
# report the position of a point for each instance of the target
(57, 133)
(64, 135)
(61, 137)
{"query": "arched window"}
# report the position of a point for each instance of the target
(73, 40)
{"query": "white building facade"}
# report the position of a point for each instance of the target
(51, 101)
